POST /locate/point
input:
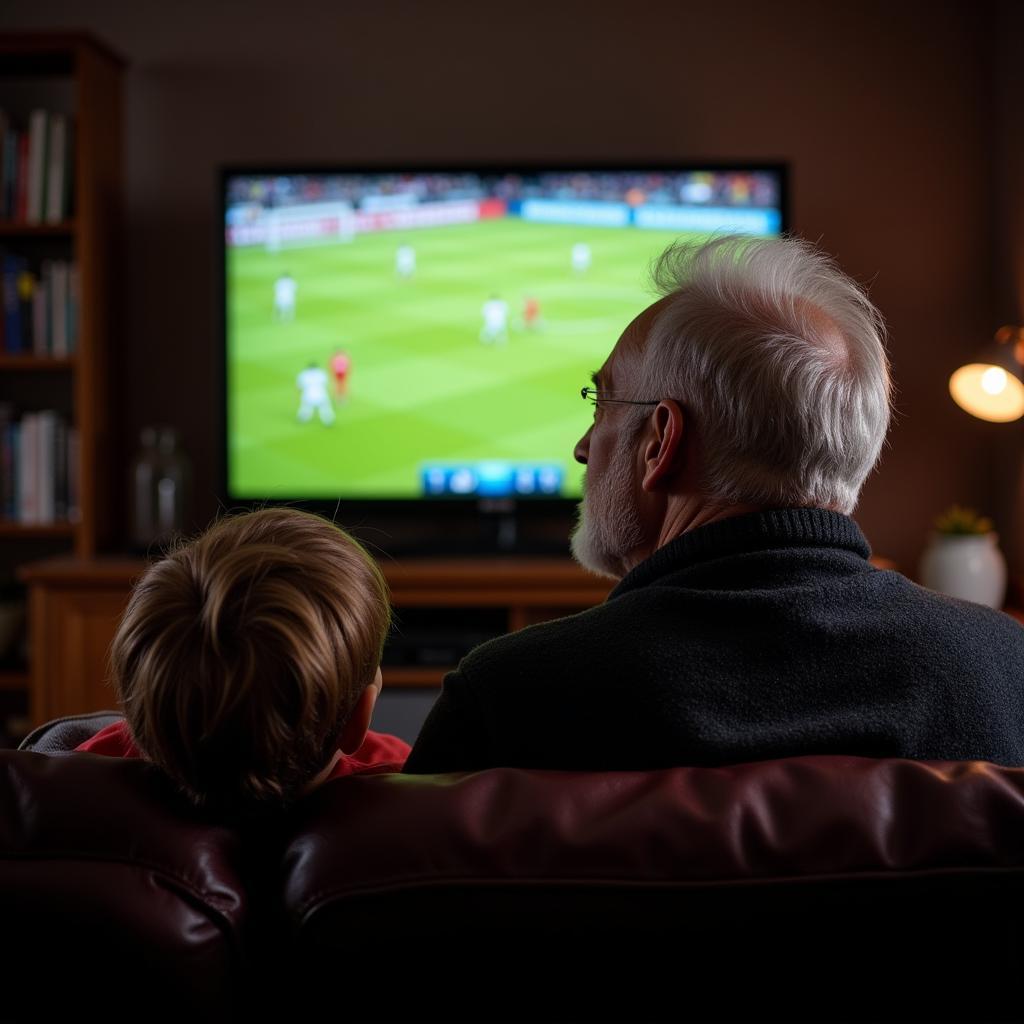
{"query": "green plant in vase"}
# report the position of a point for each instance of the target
(963, 558)
(958, 521)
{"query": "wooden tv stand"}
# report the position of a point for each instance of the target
(75, 604)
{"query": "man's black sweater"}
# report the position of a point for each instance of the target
(762, 636)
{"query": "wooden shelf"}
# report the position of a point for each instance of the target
(116, 571)
(493, 582)
(19, 229)
(33, 362)
(414, 675)
(8, 529)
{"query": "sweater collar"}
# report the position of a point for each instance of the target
(755, 531)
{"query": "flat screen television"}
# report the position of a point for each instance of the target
(410, 338)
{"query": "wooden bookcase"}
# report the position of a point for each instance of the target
(75, 75)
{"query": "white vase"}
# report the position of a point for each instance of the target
(968, 566)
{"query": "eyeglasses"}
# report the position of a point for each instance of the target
(590, 395)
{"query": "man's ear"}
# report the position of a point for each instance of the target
(664, 447)
(358, 724)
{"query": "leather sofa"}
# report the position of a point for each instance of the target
(811, 888)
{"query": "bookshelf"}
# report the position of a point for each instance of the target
(76, 80)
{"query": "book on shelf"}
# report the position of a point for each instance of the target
(13, 269)
(59, 287)
(60, 471)
(6, 168)
(41, 314)
(40, 307)
(58, 171)
(36, 167)
(8, 443)
(73, 464)
(38, 471)
(74, 305)
(10, 161)
(25, 463)
(46, 466)
(19, 210)
(38, 129)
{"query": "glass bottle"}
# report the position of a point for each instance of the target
(161, 483)
(144, 473)
(173, 483)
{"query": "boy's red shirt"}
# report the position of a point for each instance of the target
(380, 752)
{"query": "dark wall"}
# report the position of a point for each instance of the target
(885, 113)
(1008, 167)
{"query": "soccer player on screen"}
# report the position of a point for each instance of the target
(405, 261)
(495, 328)
(531, 313)
(581, 257)
(284, 297)
(313, 396)
(341, 363)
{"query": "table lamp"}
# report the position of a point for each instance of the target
(992, 388)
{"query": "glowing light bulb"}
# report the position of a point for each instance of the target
(988, 392)
(993, 380)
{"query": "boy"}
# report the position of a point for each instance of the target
(247, 663)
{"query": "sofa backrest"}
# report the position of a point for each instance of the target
(802, 889)
(110, 888)
(795, 889)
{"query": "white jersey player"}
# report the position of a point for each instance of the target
(495, 328)
(581, 257)
(314, 395)
(405, 261)
(284, 297)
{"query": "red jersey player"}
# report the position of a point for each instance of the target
(340, 366)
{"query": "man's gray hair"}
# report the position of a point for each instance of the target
(779, 359)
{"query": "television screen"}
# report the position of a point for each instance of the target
(425, 334)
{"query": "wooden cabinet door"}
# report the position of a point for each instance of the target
(72, 630)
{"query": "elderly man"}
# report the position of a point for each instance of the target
(734, 424)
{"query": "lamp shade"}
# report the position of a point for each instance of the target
(992, 388)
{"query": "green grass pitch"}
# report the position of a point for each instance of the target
(423, 387)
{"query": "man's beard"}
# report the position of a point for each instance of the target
(607, 525)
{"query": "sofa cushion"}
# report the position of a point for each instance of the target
(753, 889)
(107, 879)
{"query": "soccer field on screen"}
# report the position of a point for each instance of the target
(423, 388)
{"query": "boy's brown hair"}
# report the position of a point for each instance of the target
(243, 652)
